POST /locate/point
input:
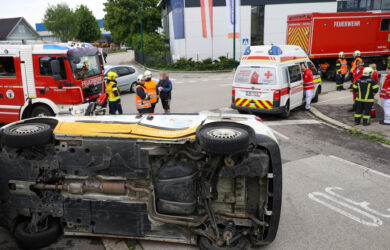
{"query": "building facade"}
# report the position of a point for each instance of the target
(200, 29)
(17, 29)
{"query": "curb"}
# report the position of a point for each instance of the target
(338, 124)
(178, 71)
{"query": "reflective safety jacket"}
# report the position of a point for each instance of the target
(142, 100)
(308, 80)
(151, 88)
(112, 91)
(354, 63)
(385, 92)
(341, 66)
(365, 88)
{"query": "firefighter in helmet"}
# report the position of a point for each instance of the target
(365, 89)
(114, 98)
(151, 88)
(142, 99)
(356, 56)
(341, 71)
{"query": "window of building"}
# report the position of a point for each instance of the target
(7, 67)
(45, 68)
(257, 25)
(385, 5)
(362, 5)
(385, 24)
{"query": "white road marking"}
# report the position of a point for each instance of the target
(280, 134)
(292, 122)
(363, 204)
(360, 166)
(334, 99)
(375, 220)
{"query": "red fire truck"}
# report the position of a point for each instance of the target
(324, 35)
(45, 79)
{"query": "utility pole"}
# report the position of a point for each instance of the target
(234, 34)
(142, 33)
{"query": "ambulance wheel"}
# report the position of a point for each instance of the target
(286, 112)
(223, 139)
(41, 110)
(27, 135)
(132, 87)
(45, 236)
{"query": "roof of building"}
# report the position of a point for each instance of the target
(7, 25)
(40, 27)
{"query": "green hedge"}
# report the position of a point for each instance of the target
(184, 64)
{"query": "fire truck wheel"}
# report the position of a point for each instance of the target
(27, 135)
(41, 110)
(45, 236)
(224, 139)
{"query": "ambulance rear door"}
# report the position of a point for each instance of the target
(254, 86)
(295, 82)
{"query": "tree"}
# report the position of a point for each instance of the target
(88, 29)
(60, 20)
(153, 43)
(122, 18)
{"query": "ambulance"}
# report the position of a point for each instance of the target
(47, 79)
(269, 80)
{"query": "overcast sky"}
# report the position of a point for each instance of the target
(34, 10)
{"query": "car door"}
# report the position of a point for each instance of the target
(295, 85)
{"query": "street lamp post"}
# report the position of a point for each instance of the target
(234, 34)
(142, 33)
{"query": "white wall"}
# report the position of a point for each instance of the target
(197, 47)
(275, 18)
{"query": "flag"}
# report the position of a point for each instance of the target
(230, 17)
(178, 18)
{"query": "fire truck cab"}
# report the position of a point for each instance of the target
(269, 80)
(46, 79)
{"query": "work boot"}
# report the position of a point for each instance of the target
(357, 121)
(366, 122)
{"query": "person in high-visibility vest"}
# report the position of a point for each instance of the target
(142, 99)
(357, 58)
(308, 85)
(114, 98)
(365, 88)
(341, 71)
(357, 73)
(385, 95)
(151, 87)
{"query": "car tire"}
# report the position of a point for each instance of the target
(205, 244)
(29, 240)
(287, 111)
(41, 110)
(132, 87)
(224, 139)
(27, 135)
(315, 99)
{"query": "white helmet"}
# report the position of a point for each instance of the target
(341, 54)
(140, 78)
(356, 53)
(367, 71)
(148, 73)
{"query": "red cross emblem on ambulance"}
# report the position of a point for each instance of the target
(268, 74)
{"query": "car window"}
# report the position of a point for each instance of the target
(132, 70)
(122, 71)
(285, 74)
(256, 75)
(111, 70)
(385, 24)
(312, 68)
(294, 73)
(7, 67)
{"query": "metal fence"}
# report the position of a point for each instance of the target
(153, 60)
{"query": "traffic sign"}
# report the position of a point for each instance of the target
(245, 41)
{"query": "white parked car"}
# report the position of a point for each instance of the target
(127, 76)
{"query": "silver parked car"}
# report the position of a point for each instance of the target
(127, 76)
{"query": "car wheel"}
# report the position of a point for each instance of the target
(224, 139)
(287, 111)
(27, 135)
(315, 99)
(132, 87)
(206, 244)
(41, 110)
(35, 240)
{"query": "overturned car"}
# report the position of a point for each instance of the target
(212, 180)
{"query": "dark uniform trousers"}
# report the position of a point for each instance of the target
(363, 109)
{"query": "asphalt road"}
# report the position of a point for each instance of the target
(336, 185)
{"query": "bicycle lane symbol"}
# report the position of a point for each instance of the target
(371, 216)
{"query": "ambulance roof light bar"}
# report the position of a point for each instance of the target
(275, 51)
